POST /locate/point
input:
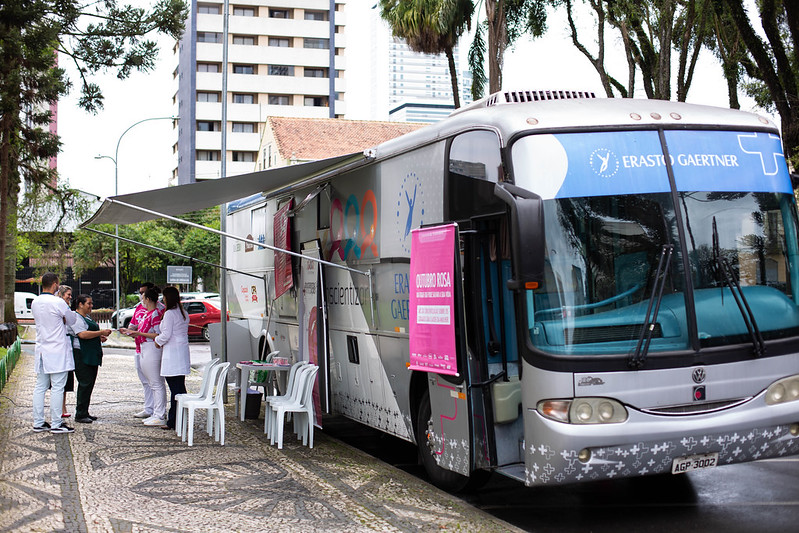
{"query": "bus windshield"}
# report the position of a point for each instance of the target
(620, 234)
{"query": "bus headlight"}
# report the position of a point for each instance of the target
(784, 390)
(583, 411)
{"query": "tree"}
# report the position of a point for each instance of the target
(96, 36)
(609, 83)
(430, 27)
(506, 21)
(650, 32)
(774, 66)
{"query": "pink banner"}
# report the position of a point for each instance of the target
(283, 276)
(432, 300)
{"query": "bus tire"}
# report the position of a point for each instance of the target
(440, 477)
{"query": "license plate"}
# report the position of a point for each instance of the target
(688, 463)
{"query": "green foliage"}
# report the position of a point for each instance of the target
(27, 246)
(477, 53)
(771, 64)
(138, 263)
(525, 17)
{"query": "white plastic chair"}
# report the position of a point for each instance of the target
(293, 395)
(269, 400)
(213, 403)
(205, 386)
(303, 408)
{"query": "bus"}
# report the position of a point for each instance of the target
(546, 285)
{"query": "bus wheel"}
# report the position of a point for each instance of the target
(440, 477)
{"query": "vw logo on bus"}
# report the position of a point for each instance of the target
(698, 375)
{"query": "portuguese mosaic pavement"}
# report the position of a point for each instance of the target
(118, 475)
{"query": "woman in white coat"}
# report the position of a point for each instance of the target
(174, 341)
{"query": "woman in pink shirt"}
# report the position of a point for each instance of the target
(148, 329)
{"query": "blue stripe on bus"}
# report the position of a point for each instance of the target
(609, 163)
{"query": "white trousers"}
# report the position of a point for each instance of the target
(43, 381)
(148, 392)
(151, 368)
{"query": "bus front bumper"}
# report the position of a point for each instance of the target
(646, 444)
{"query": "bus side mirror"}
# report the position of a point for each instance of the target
(526, 234)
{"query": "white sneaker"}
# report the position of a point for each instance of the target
(153, 421)
(142, 414)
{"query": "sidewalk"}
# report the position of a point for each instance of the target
(118, 475)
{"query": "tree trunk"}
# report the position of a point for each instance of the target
(663, 73)
(497, 42)
(453, 76)
(6, 132)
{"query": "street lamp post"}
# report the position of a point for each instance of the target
(115, 159)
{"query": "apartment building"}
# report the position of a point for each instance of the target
(285, 58)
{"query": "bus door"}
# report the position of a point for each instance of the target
(443, 429)
(493, 371)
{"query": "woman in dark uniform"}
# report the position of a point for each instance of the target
(88, 359)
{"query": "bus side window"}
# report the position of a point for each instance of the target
(476, 154)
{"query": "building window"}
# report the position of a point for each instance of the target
(208, 125)
(311, 72)
(207, 67)
(316, 43)
(244, 157)
(281, 13)
(209, 9)
(279, 99)
(243, 69)
(281, 70)
(281, 42)
(207, 97)
(243, 127)
(244, 98)
(208, 155)
(244, 11)
(316, 15)
(209, 37)
(248, 40)
(316, 101)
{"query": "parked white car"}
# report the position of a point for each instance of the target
(22, 304)
(125, 315)
(198, 295)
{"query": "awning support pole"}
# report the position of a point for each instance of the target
(236, 237)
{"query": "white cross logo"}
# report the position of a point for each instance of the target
(768, 158)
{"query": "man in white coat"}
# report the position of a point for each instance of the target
(53, 354)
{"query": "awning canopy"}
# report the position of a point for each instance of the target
(195, 196)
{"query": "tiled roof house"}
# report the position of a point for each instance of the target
(288, 140)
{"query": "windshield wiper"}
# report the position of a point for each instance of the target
(724, 272)
(638, 357)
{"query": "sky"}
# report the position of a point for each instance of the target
(145, 157)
